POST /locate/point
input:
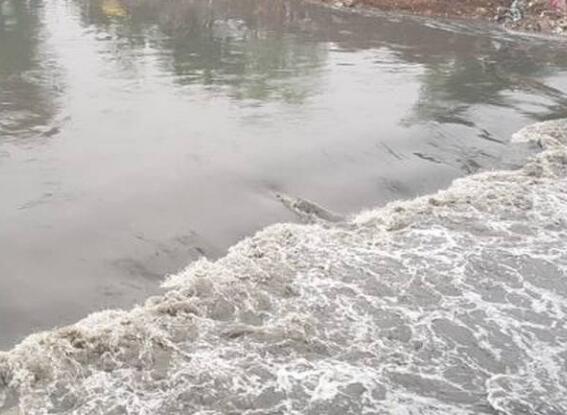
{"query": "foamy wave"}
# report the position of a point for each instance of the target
(448, 304)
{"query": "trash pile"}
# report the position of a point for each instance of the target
(549, 16)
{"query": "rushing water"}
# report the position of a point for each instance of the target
(454, 303)
(138, 135)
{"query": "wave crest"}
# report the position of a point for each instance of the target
(452, 303)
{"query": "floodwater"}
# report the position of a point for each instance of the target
(139, 135)
(399, 198)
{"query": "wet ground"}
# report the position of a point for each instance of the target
(137, 136)
(475, 9)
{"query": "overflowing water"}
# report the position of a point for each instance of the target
(453, 303)
(137, 135)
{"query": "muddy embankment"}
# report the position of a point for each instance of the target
(547, 16)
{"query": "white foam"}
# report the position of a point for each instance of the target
(447, 304)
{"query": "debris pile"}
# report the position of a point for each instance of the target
(548, 16)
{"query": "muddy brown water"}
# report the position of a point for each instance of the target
(136, 136)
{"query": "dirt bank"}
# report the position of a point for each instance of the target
(549, 16)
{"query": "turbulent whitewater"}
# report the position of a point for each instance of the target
(453, 303)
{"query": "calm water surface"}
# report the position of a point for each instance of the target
(136, 136)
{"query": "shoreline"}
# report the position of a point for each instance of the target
(541, 16)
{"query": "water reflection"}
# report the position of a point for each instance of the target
(258, 50)
(26, 80)
(491, 73)
(242, 50)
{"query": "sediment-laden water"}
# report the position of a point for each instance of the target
(139, 135)
(453, 303)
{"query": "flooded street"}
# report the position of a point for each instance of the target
(139, 135)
